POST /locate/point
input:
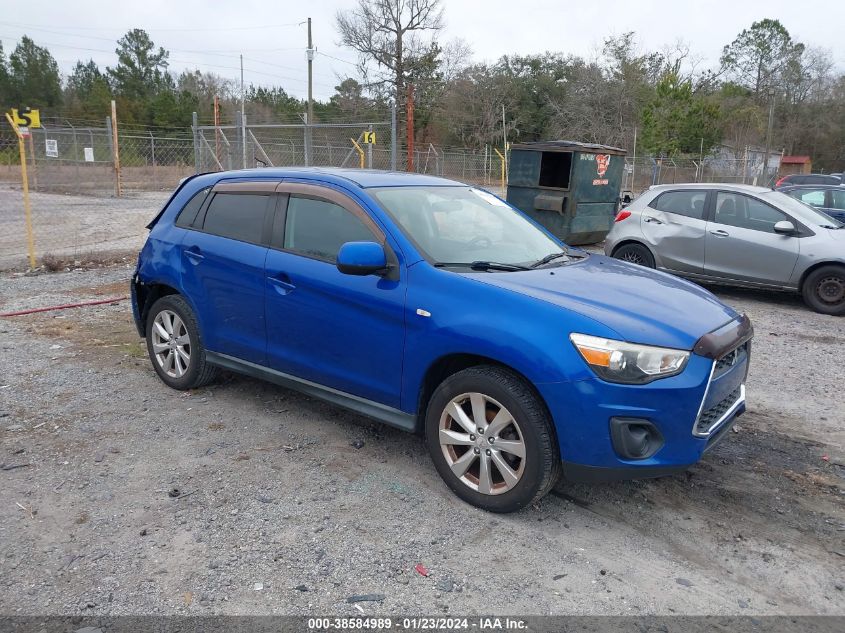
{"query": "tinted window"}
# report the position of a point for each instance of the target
(239, 216)
(686, 203)
(814, 197)
(733, 209)
(319, 228)
(189, 211)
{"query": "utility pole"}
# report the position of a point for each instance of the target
(310, 116)
(243, 116)
(768, 137)
(410, 114)
(505, 136)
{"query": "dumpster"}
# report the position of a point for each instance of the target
(570, 188)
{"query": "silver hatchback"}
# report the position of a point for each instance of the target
(736, 234)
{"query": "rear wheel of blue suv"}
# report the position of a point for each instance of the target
(439, 309)
(174, 345)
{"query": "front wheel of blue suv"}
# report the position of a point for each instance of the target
(175, 345)
(491, 439)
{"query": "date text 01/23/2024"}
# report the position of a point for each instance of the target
(420, 623)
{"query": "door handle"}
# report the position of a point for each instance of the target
(282, 283)
(194, 255)
(720, 233)
(652, 220)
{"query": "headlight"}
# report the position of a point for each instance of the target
(618, 361)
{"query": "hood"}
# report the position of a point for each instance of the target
(641, 305)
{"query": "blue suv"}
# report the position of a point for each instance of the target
(435, 307)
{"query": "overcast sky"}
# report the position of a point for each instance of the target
(210, 35)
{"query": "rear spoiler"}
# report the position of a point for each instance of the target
(182, 183)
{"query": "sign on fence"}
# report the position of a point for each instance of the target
(89, 154)
(25, 117)
(51, 147)
(369, 138)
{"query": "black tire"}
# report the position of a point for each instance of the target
(198, 371)
(824, 290)
(541, 468)
(635, 254)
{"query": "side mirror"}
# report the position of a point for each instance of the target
(785, 227)
(361, 258)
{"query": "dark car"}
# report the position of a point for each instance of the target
(827, 198)
(808, 179)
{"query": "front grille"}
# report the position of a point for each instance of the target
(730, 359)
(710, 417)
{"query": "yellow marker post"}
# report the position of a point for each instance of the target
(502, 159)
(25, 182)
(360, 151)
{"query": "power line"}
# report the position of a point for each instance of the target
(188, 62)
(198, 29)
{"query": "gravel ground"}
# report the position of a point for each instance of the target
(277, 512)
(73, 225)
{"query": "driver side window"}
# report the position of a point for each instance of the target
(734, 209)
(318, 228)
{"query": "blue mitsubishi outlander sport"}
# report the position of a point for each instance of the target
(436, 307)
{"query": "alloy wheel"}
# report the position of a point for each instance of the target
(171, 343)
(632, 257)
(482, 443)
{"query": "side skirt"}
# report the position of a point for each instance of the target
(382, 413)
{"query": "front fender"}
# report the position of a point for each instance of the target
(449, 313)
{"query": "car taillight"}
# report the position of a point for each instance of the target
(622, 215)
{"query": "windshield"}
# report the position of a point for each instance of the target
(465, 225)
(801, 210)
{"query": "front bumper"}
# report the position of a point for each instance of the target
(690, 412)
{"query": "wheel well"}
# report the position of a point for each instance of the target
(816, 267)
(446, 366)
(148, 294)
(628, 242)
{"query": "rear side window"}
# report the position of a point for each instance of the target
(189, 212)
(687, 203)
(239, 216)
(318, 228)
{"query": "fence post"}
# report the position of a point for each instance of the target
(32, 160)
(75, 155)
(393, 136)
(195, 131)
(502, 159)
(116, 147)
(370, 150)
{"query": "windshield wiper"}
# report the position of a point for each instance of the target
(483, 266)
(553, 256)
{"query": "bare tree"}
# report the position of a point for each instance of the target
(386, 33)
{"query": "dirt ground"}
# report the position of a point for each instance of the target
(277, 512)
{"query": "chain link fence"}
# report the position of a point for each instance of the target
(238, 146)
(643, 172)
(86, 202)
(82, 206)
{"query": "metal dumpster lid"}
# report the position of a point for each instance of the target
(573, 146)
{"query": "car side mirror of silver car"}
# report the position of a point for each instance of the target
(785, 227)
